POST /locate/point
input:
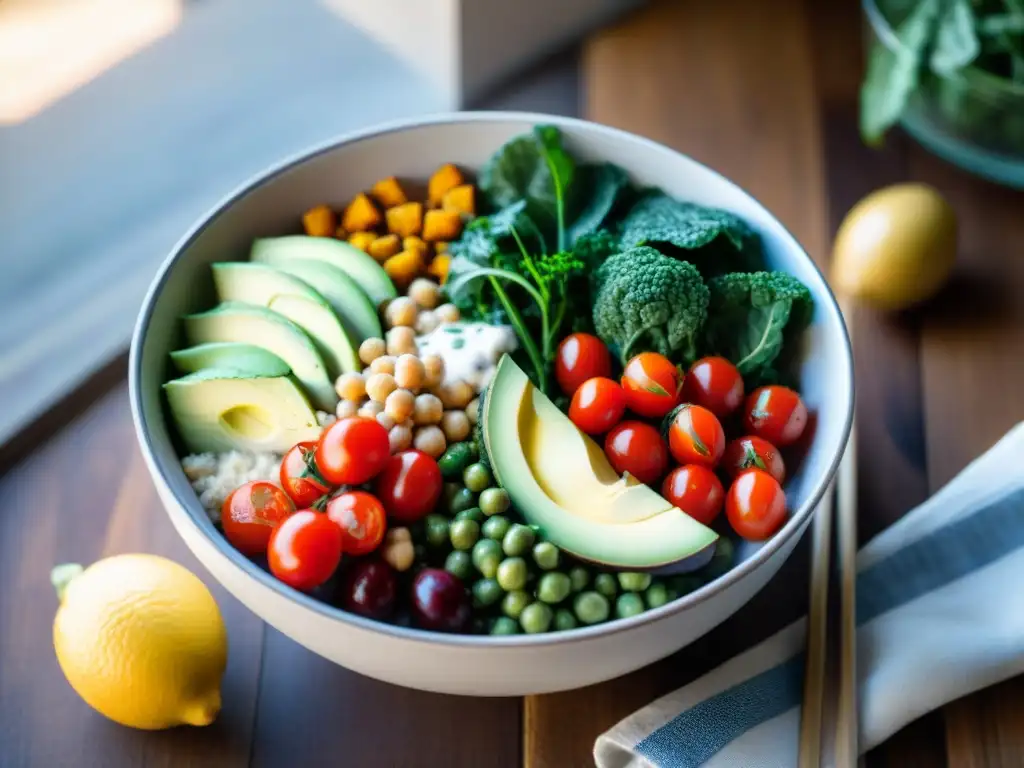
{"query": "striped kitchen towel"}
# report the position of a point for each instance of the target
(940, 613)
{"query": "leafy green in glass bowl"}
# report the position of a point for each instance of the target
(951, 72)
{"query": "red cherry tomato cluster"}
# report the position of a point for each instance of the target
(692, 407)
(305, 526)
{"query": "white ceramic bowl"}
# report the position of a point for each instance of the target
(462, 664)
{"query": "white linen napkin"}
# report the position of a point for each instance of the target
(940, 613)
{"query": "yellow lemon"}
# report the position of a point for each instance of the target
(141, 640)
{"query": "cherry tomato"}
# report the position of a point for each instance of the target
(581, 357)
(352, 450)
(409, 486)
(714, 383)
(305, 549)
(695, 436)
(753, 452)
(777, 414)
(598, 405)
(439, 601)
(637, 448)
(361, 519)
(249, 514)
(755, 505)
(652, 384)
(368, 588)
(696, 490)
(299, 476)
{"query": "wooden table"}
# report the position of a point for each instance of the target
(764, 92)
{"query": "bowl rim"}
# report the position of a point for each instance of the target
(220, 544)
(973, 76)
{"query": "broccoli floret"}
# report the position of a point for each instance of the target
(647, 301)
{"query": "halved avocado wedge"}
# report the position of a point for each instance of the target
(560, 480)
(232, 356)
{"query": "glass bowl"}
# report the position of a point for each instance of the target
(973, 119)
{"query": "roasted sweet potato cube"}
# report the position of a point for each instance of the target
(403, 267)
(445, 178)
(361, 215)
(438, 268)
(388, 192)
(414, 243)
(405, 219)
(384, 247)
(441, 225)
(362, 240)
(320, 221)
(461, 198)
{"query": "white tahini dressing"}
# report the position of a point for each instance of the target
(470, 351)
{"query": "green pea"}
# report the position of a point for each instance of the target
(514, 603)
(656, 595)
(503, 625)
(463, 499)
(473, 513)
(564, 620)
(554, 587)
(448, 491)
(487, 555)
(518, 540)
(455, 460)
(634, 582)
(721, 561)
(512, 573)
(545, 555)
(494, 501)
(580, 578)
(464, 533)
(684, 585)
(628, 604)
(605, 584)
(486, 592)
(590, 607)
(496, 527)
(437, 530)
(536, 618)
(459, 563)
(477, 477)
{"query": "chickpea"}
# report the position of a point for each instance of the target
(383, 364)
(425, 292)
(455, 425)
(409, 372)
(400, 438)
(401, 340)
(457, 394)
(397, 550)
(426, 322)
(324, 419)
(371, 349)
(430, 440)
(385, 420)
(351, 386)
(400, 405)
(380, 385)
(433, 369)
(401, 312)
(427, 410)
(448, 313)
(408, 423)
(473, 410)
(346, 409)
(370, 409)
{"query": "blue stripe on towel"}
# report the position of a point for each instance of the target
(695, 735)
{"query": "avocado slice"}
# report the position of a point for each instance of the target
(249, 324)
(298, 301)
(358, 265)
(560, 480)
(352, 306)
(231, 355)
(219, 410)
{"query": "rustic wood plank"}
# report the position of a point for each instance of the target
(973, 341)
(710, 80)
(84, 495)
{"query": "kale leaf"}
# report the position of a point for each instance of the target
(607, 184)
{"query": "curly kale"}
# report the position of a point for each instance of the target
(750, 316)
(646, 301)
